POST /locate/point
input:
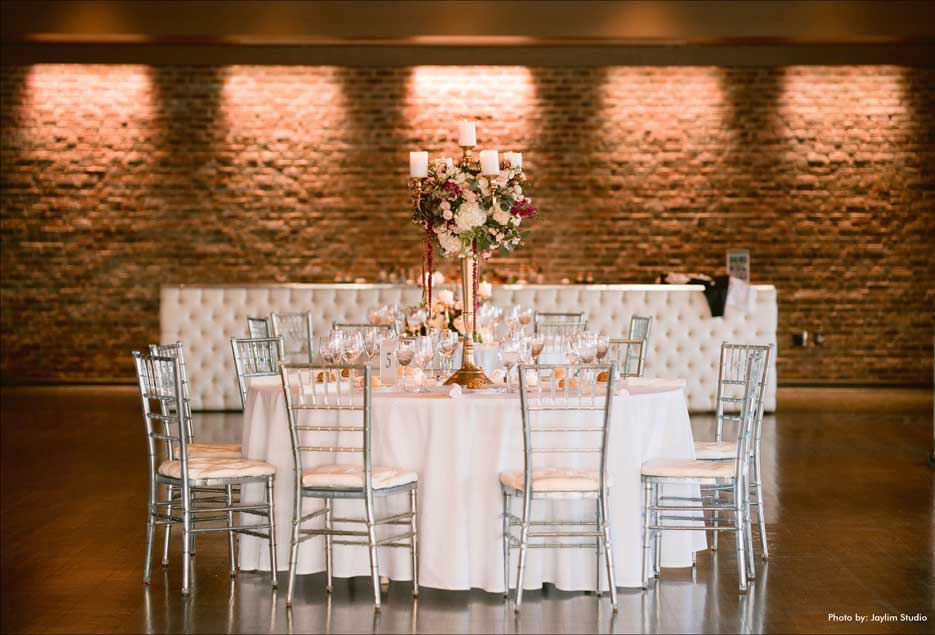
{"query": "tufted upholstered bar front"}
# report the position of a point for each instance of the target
(685, 339)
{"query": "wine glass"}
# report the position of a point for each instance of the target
(536, 346)
(372, 343)
(525, 317)
(326, 350)
(509, 352)
(603, 345)
(405, 351)
(448, 344)
(352, 345)
(424, 353)
(569, 345)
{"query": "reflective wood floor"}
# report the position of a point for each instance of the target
(850, 512)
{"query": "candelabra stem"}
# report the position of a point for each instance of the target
(469, 375)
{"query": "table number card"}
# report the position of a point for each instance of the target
(388, 362)
(738, 264)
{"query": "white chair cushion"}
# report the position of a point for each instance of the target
(554, 479)
(686, 468)
(352, 476)
(715, 450)
(214, 450)
(203, 468)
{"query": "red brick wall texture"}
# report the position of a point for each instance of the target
(118, 179)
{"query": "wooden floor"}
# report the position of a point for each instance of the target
(849, 505)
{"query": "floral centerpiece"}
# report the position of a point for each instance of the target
(465, 213)
(469, 210)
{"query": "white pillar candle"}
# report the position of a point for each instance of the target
(467, 133)
(489, 162)
(484, 289)
(418, 165)
(516, 159)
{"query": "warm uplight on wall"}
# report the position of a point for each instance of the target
(490, 95)
(110, 102)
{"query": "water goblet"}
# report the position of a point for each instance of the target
(352, 345)
(325, 350)
(448, 344)
(510, 354)
(536, 346)
(405, 351)
(372, 343)
(424, 353)
(603, 345)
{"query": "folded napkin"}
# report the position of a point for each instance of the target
(455, 392)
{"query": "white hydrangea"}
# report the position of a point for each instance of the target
(449, 242)
(469, 216)
(501, 217)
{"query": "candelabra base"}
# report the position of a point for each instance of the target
(470, 377)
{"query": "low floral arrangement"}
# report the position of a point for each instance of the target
(465, 213)
(447, 312)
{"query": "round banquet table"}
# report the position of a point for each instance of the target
(458, 447)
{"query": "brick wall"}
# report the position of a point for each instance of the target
(118, 179)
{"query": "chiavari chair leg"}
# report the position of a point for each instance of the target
(506, 544)
(657, 543)
(521, 572)
(740, 532)
(186, 541)
(329, 547)
(167, 534)
(230, 534)
(599, 527)
(715, 518)
(270, 499)
(414, 540)
(294, 546)
(150, 532)
(374, 562)
(647, 531)
(608, 551)
(761, 514)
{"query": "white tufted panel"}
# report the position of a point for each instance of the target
(685, 339)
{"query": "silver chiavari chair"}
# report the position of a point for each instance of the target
(641, 329)
(718, 474)
(296, 332)
(259, 327)
(255, 357)
(160, 384)
(564, 413)
(326, 416)
(231, 450)
(729, 398)
(552, 318)
(627, 356)
(209, 450)
(383, 329)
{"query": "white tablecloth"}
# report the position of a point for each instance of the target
(458, 447)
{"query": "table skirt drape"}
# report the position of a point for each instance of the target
(458, 447)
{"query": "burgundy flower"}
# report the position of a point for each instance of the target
(522, 208)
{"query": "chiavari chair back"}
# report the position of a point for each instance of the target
(566, 412)
(627, 356)
(296, 332)
(255, 357)
(330, 419)
(259, 327)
